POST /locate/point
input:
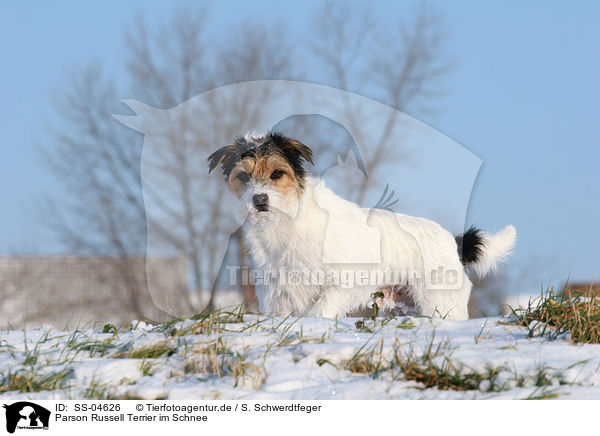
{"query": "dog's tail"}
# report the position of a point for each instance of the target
(481, 252)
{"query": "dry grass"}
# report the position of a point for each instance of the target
(215, 359)
(434, 368)
(217, 321)
(30, 381)
(152, 351)
(370, 362)
(552, 315)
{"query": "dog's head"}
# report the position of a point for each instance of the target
(265, 171)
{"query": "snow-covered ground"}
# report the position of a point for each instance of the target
(260, 357)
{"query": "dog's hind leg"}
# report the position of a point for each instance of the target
(451, 301)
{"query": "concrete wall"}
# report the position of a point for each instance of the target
(67, 291)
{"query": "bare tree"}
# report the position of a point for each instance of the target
(398, 63)
(98, 164)
(99, 160)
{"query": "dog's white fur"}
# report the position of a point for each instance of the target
(291, 237)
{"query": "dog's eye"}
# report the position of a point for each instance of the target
(277, 174)
(243, 177)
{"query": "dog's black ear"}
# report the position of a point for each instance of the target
(300, 148)
(293, 147)
(215, 159)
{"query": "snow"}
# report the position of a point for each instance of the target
(300, 359)
(520, 301)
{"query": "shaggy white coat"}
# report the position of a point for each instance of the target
(323, 232)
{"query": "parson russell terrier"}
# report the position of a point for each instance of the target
(311, 237)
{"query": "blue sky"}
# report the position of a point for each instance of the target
(524, 96)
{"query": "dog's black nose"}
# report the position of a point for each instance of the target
(260, 201)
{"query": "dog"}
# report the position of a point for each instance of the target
(308, 241)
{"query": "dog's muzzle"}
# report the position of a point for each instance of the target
(261, 202)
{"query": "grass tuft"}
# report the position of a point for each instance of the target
(552, 315)
(370, 362)
(215, 359)
(433, 367)
(31, 381)
(153, 351)
(217, 321)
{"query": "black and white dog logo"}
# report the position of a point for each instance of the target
(26, 415)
